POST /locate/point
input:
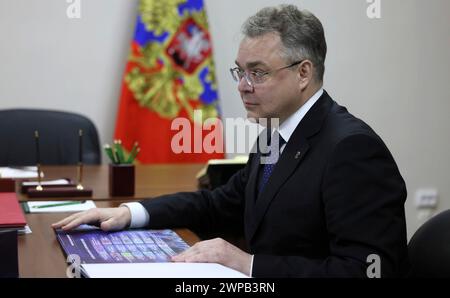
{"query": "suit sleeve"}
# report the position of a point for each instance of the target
(363, 195)
(207, 213)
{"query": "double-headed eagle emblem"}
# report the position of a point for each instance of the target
(174, 71)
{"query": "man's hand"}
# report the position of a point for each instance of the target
(109, 219)
(217, 251)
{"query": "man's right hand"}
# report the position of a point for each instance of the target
(108, 219)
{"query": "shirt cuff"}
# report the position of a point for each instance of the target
(139, 216)
(251, 266)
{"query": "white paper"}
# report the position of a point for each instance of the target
(19, 173)
(25, 230)
(160, 270)
(67, 208)
(48, 182)
(20, 230)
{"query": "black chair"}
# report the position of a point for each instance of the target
(58, 134)
(429, 248)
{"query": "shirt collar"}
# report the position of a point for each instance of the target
(288, 126)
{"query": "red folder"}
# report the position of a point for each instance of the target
(11, 215)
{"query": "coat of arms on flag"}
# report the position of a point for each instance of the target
(169, 74)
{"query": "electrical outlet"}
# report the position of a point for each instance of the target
(426, 198)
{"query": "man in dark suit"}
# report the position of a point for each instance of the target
(327, 207)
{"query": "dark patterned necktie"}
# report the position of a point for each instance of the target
(268, 167)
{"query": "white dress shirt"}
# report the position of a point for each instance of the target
(139, 215)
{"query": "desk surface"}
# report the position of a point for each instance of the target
(40, 254)
(151, 180)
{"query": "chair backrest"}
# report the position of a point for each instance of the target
(429, 248)
(58, 138)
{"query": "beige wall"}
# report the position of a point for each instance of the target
(392, 72)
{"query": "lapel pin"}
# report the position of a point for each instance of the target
(297, 155)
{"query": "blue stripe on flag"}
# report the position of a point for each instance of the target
(142, 36)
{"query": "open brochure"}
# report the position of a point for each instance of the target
(134, 253)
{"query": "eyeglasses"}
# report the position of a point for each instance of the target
(256, 77)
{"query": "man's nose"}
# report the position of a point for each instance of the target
(244, 85)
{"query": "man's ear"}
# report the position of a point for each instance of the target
(305, 73)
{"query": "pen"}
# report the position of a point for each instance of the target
(132, 153)
(119, 151)
(110, 153)
(80, 146)
(80, 161)
(38, 161)
(133, 156)
(36, 137)
(60, 204)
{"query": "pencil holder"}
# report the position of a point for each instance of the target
(121, 180)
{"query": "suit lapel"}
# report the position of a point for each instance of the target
(250, 195)
(292, 156)
(251, 189)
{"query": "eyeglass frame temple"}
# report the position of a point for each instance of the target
(264, 73)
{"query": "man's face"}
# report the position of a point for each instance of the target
(278, 95)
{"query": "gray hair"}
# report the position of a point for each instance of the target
(301, 33)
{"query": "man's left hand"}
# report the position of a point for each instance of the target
(217, 251)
